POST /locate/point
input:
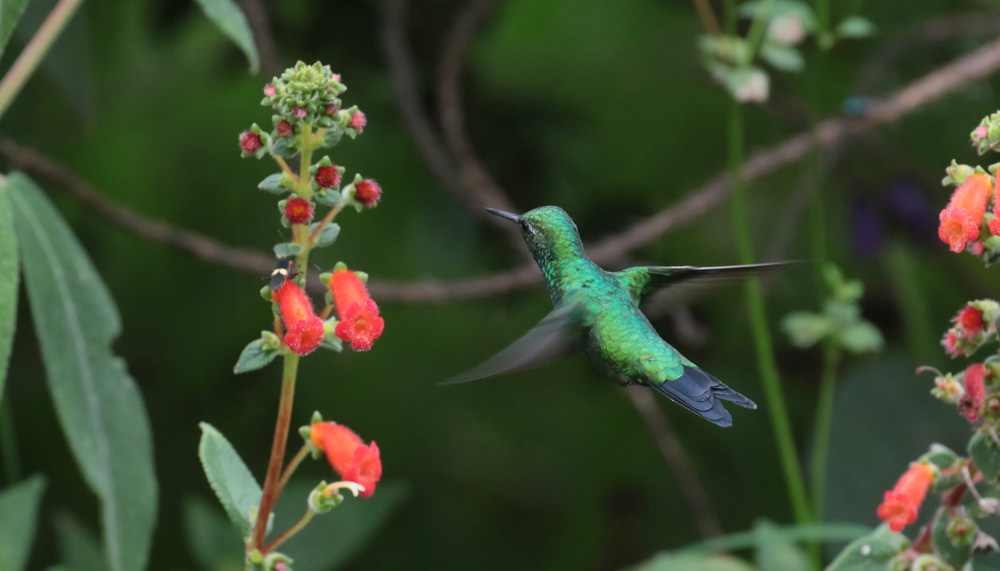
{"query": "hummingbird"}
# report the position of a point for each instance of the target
(597, 312)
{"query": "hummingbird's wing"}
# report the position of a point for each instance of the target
(551, 339)
(675, 285)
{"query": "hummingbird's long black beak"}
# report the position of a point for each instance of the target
(507, 215)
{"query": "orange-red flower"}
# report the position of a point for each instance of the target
(359, 320)
(900, 505)
(971, 320)
(304, 329)
(961, 219)
(348, 454)
(975, 392)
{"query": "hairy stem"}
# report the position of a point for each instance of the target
(289, 532)
(271, 488)
(292, 466)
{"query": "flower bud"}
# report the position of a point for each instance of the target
(367, 192)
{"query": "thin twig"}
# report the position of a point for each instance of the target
(708, 19)
(678, 460)
(260, 25)
(932, 87)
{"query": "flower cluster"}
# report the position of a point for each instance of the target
(360, 323)
(348, 454)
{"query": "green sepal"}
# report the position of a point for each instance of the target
(316, 417)
(265, 292)
(942, 458)
(319, 503)
(363, 276)
(954, 547)
(327, 236)
(256, 355)
(324, 278)
(339, 266)
(286, 249)
(330, 339)
(306, 433)
(273, 184)
(873, 552)
(986, 455)
(327, 197)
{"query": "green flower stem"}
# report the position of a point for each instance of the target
(288, 533)
(824, 419)
(327, 219)
(271, 489)
(33, 53)
(288, 170)
(292, 466)
(761, 335)
(306, 146)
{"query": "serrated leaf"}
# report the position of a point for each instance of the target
(209, 537)
(860, 337)
(272, 184)
(79, 549)
(782, 57)
(692, 562)
(10, 12)
(871, 552)
(327, 236)
(229, 477)
(855, 27)
(8, 273)
(286, 249)
(256, 355)
(98, 404)
(228, 17)
(18, 515)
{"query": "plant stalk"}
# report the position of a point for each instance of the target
(824, 421)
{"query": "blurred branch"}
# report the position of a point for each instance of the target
(832, 132)
(708, 20)
(260, 25)
(670, 446)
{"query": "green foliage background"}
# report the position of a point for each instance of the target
(599, 106)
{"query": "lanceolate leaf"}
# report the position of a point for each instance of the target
(98, 404)
(79, 550)
(230, 20)
(229, 477)
(18, 512)
(8, 274)
(10, 13)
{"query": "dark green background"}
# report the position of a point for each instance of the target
(599, 106)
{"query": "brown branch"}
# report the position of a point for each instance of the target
(830, 133)
(260, 25)
(670, 446)
(708, 19)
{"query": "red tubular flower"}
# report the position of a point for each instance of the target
(359, 320)
(975, 392)
(358, 121)
(250, 142)
(298, 210)
(367, 192)
(900, 505)
(971, 320)
(327, 177)
(348, 454)
(960, 220)
(304, 329)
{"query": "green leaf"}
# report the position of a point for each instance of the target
(256, 355)
(871, 552)
(18, 514)
(692, 562)
(986, 455)
(805, 329)
(229, 477)
(209, 537)
(855, 27)
(78, 548)
(353, 523)
(286, 249)
(8, 272)
(860, 337)
(99, 406)
(10, 13)
(782, 57)
(328, 198)
(328, 235)
(272, 184)
(228, 17)
(776, 552)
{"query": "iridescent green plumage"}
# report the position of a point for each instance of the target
(598, 313)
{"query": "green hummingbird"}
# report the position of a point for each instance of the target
(597, 312)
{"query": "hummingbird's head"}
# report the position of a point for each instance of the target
(549, 232)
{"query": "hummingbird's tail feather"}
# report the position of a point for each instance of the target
(702, 394)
